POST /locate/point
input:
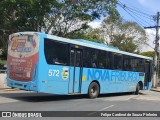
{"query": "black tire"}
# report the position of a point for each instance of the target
(137, 89)
(93, 90)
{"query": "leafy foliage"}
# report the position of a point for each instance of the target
(148, 53)
(89, 34)
(125, 35)
(59, 17)
(123, 43)
(56, 16)
(3, 56)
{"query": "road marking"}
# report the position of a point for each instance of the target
(118, 98)
(130, 97)
(106, 108)
(101, 110)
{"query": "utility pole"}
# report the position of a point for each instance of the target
(156, 51)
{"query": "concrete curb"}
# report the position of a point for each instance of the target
(154, 89)
(8, 89)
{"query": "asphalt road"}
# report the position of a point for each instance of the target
(30, 101)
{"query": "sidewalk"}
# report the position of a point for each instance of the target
(8, 89)
(156, 89)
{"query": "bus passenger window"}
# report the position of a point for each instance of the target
(78, 58)
(87, 58)
(101, 65)
(117, 64)
(140, 65)
(94, 65)
(90, 58)
(102, 57)
(127, 63)
(56, 52)
(137, 64)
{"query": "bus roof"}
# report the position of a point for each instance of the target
(87, 43)
(113, 49)
(95, 43)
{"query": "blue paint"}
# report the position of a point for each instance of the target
(112, 75)
(123, 76)
(97, 74)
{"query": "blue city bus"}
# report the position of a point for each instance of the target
(50, 64)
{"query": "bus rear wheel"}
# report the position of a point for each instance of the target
(93, 90)
(137, 89)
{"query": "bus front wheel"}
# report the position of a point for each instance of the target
(137, 89)
(93, 90)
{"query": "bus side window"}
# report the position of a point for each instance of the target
(133, 64)
(140, 65)
(117, 61)
(90, 57)
(56, 53)
(101, 65)
(127, 63)
(86, 58)
(101, 59)
(109, 60)
(94, 65)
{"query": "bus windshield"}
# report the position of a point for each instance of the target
(22, 56)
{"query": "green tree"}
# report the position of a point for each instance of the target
(123, 34)
(59, 17)
(73, 16)
(53, 16)
(89, 34)
(123, 43)
(3, 44)
(148, 53)
(23, 15)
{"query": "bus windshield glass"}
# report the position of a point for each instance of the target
(22, 56)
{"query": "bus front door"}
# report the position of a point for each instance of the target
(75, 70)
(147, 75)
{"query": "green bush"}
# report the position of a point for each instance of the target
(3, 55)
(148, 53)
(3, 62)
